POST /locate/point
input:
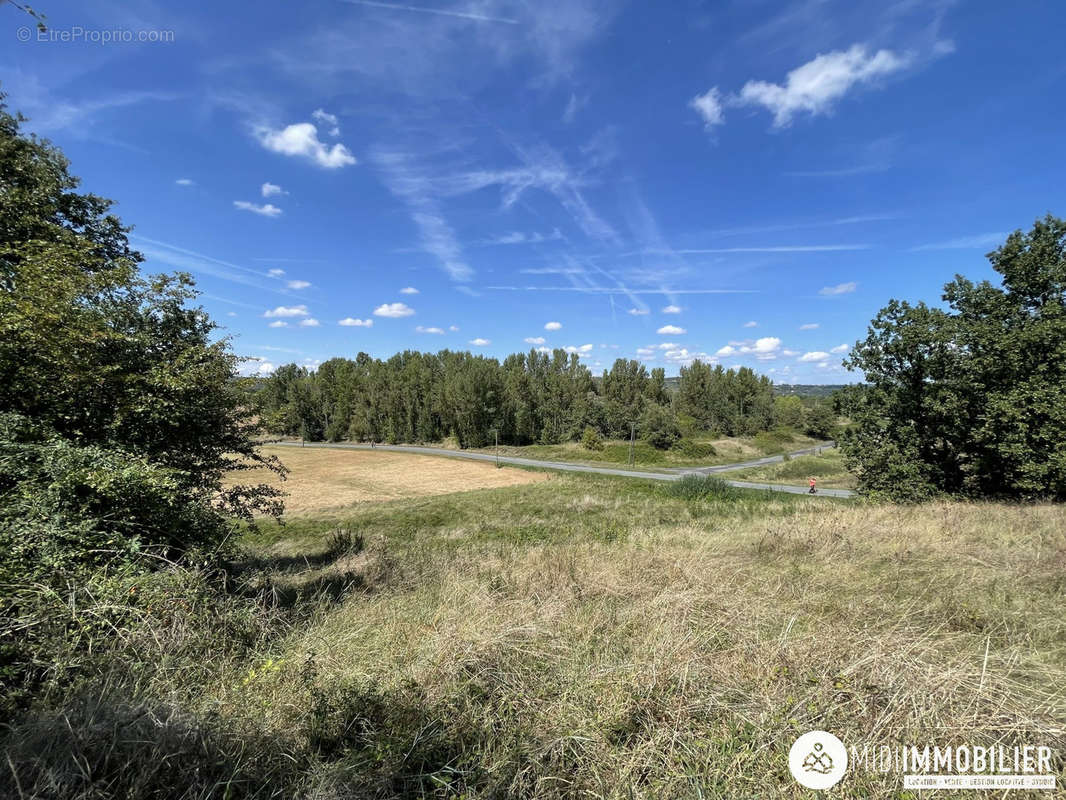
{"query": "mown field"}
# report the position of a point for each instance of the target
(578, 636)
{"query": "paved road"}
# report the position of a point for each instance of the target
(564, 466)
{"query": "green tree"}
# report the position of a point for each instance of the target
(99, 364)
(968, 400)
(658, 427)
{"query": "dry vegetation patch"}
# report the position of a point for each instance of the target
(327, 479)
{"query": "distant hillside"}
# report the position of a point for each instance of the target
(800, 389)
(807, 389)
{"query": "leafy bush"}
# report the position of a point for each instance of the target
(695, 449)
(591, 439)
(658, 427)
(702, 487)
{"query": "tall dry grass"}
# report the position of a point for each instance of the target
(645, 646)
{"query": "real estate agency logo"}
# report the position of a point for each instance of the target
(818, 760)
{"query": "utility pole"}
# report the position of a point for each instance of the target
(497, 432)
(632, 436)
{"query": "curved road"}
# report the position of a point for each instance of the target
(563, 466)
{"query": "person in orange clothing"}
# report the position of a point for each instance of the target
(811, 481)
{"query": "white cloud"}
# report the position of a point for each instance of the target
(726, 351)
(480, 342)
(409, 290)
(816, 85)
(840, 348)
(266, 210)
(684, 357)
(751, 324)
(816, 355)
(553, 326)
(672, 310)
(185, 182)
(670, 330)
(789, 353)
(265, 368)
(809, 326)
(534, 340)
(582, 350)
(453, 328)
(544, 349)
(766, 344)
(275, 273)
(638, 312)
(297, 284)
(269, 189)
(301, 139)
(310, 322)
(421, 329)
(329, 121)
(840, 288)
(393, 310)
(278, 324)
(709, 106)
(352, 322)
(287, 311)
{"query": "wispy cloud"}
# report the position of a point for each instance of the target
(297, 284)
(618, 290)
(352, 322)
(265, 210)
(479, 342)
(269, 189)
(409, 290)
(801, 248)
(965, 242)
(194, 262)
(438, 11)
(809, 326)
(840, 288)
(423, 329)
(185, 182)
(670, 330)
(413, 185)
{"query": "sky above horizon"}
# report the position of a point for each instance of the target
(742, 182)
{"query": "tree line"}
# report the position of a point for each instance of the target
(528, 398)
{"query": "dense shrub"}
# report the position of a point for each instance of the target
(702, 487)
(658, 427)
(591, 439)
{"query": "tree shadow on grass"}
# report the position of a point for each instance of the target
(349, 739)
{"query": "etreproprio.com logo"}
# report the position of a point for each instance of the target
(819, 760)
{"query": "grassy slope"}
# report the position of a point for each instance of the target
(827, 467)
(597, 637)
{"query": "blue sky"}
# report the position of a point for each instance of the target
(744, 182)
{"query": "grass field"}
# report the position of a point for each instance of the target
(585, 636)
(690, 452)
(827, 467)
(326, 480)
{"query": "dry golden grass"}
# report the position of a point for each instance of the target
(683, 658)
(324, 480)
